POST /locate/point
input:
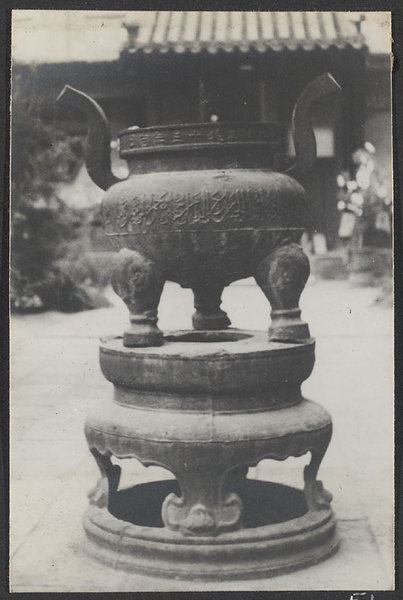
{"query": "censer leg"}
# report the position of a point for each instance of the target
(208, 315)
(139, 282)
(282, 277)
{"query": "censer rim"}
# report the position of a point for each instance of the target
(215, 126)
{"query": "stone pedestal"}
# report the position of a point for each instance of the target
(205, 406)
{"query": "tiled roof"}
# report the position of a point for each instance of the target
(63, 36)
(227, 30)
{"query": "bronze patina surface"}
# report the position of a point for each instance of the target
(205, 205)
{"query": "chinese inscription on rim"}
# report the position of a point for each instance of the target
(140, 138)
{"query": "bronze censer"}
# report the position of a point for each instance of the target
(204, 205)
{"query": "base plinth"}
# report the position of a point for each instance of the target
(280, 535)
(207, 406)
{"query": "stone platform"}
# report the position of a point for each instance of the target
(57, 381)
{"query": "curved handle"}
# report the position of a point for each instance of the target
(302, 132)
(97, 154)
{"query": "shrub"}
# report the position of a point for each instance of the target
(45, 232)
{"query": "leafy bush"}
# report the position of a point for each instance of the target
(45, 233)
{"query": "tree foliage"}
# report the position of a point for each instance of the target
(44, 230)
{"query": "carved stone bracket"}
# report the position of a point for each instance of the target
(202, 518)
(204, 507)
(317, 497)
(107, 484)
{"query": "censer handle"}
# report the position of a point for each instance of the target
(302, 131)
(97, 154)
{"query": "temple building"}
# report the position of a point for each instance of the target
(160, 67)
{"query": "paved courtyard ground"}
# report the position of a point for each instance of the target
(56, 380)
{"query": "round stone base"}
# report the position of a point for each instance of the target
(280, 534)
